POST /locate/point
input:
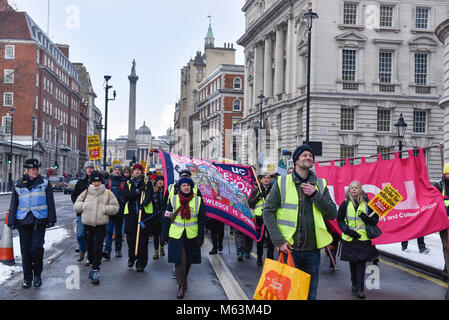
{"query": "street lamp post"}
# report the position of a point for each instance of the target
(10, 150)
(107, 87)
(401, 126)
(309, 16)
(33, 118)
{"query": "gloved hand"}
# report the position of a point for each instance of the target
(50, 224)
(366, 219)
(142, 206)
(353, 234)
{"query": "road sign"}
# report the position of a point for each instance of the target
(94, 145)
(385, 200)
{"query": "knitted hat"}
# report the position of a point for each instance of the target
(138, 166)
(301, 149)
(116, 166)
(96, 176)
(185, 180)
(126, 169)
(446, 168)
(89, 164)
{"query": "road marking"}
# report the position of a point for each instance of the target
(47, 261)
(416, 273)
(227, 280)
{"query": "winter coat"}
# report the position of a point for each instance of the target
(355, 250)
(80, 187)
(132, 197)
(192, 246)
(159, 205)
(25, 182)
(117, 185)
(95, 205)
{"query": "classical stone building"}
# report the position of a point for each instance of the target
(371, 61)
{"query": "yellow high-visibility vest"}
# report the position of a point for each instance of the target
(189, 225)
(258, 209)
(148, 208)
(354, 221)
(287, 213)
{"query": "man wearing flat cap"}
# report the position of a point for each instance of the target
(31, 211)
(294, 215)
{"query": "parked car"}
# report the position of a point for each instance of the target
(70, 186)
(57, 182)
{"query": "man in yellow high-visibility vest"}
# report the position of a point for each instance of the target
(443, 186)
(294, 215)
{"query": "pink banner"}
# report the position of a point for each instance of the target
(420, 213)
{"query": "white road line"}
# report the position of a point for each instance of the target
(47, 261)
(227, 280)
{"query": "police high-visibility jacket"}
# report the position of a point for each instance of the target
(148, 208)
(34, 200)
(189, 225)
(287, 214)
(354, 221)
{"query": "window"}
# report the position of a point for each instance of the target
(237, 105)
(347, 152)
(7, 123)
(10, 52)
(421, 68)
(381, 150)
(350, 13)
(386, 15)
(383, 120)
(347, 118)
(37, 80)
(349, 65)
(422, 18)
(8, 76)
(419, 121)
(235, 127)
(8, 99)
(385, 66)
(237, 83)
(36, 104)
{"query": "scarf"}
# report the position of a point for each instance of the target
(185, 208)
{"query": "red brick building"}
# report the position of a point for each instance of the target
(38, 80)
(217, 115)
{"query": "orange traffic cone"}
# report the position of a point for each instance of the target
(6, 244)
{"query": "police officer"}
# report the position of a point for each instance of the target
(32, 209)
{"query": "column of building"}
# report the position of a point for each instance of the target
(442, 33)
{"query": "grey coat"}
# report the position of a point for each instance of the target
(304, 237)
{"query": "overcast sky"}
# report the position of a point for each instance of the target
(106, 35)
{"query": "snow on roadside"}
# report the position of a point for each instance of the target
(52, 236)
(434, 258)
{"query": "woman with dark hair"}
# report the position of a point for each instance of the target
(155, 223)
(353, 215)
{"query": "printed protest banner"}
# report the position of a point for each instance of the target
(94, 145)
(422, 210)
(385, 200)
(223, 187)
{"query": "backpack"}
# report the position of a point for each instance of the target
(122, 184)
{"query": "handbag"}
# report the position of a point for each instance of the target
(372, 231)
(282, 281)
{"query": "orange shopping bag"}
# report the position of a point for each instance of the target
(280, 281)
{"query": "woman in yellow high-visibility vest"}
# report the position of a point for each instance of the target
(356, 247)
(184, 230)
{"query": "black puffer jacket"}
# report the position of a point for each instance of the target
(131, 196)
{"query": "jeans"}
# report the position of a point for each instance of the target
(80, 235)
(115, 225)
(32, 249)
(94, 238)
(309, 262)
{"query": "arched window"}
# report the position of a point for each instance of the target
(237, 83)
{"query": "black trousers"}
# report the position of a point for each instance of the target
(32, 249)
(217, 233)
(358, 274)
(421, 244)
(142, 253)
(265, 237)
(94, 237)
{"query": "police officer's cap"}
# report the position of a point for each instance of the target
(185, 173)
(32, 163)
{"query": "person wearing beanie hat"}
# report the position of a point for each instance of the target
(132, 196)
(157, 222)
(297, 227)
(95, 205)
(127, 172)
(184, 230)
(31, 211)
(81, 185)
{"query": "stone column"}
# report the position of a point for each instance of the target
(290, 45)
(258, 71)
(268, 68)
(279, 61)
(131, 143)
(442, 32)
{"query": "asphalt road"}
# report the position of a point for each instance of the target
(219, 277)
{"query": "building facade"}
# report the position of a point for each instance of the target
(41, 85)
(371, 61)
(217, 114)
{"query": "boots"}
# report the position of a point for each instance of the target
(162, 251)
(156, 254)
(94, 277)
(80, 256)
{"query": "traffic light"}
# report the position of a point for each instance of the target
(9, 158)
(56, 164)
